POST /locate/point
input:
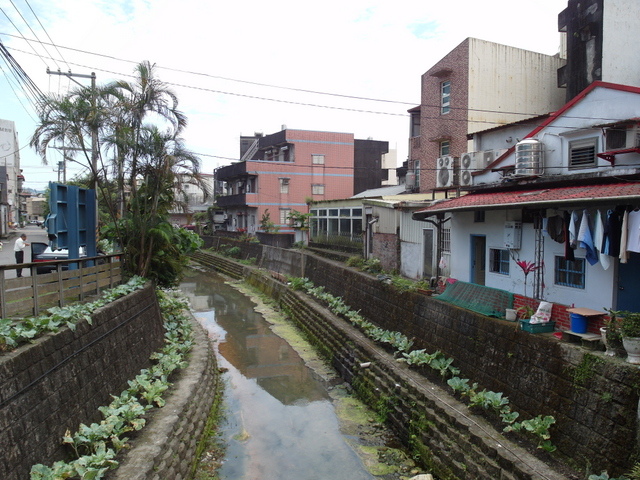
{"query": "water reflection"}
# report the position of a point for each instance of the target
(281, 423)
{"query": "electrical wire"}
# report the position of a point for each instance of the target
(525, 115)
(47, 34)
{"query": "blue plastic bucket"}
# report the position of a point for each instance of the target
(578, 323)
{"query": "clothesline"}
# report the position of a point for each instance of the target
(604, 237)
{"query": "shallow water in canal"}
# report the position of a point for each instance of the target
(280, 420)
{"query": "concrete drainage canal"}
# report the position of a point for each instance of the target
(285, 415)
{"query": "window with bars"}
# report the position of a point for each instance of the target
(570, 273)
(446, 240)
(499, 261)
(582, 153)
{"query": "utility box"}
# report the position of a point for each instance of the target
(513, 235)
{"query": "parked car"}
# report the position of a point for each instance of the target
(42, 252)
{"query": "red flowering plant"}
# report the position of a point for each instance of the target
(527, 267)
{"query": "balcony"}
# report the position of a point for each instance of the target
(232, 200)
(232, 171)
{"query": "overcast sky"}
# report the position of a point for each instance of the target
(254, 66)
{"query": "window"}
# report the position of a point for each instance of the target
(317, 159)
(284, 216)
(445, 97)
(582, 153)
(415, 124)
(445, 148)
(446, 240)
(570, 273)
(317, 189)
(284, 185)
(416, 166)
(478, 216)
(499, 261)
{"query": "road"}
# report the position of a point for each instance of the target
(34, 234)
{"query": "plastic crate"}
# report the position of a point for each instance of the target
(537, 327)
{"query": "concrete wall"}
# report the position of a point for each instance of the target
(593, 398)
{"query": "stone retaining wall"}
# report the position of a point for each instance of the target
(60, 380)
(168, 445)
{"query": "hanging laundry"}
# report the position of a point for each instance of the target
(633, 232)
(568, 251)
(598, 240)
(623, 238)
(573, 230)
(585, 239)
(612, 233)
(555, 228)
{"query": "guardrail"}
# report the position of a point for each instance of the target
(72, 280)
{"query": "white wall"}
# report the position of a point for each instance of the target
(505, 79)
(619, 47)
(598, 291)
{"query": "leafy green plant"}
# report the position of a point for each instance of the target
(630, 324)
(96, 445)
(14, 333)
(537, 426)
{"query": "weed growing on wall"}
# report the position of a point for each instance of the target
(494, 402)
(95, 446)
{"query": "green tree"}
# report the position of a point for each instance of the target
(141, 153)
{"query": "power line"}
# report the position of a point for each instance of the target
(22, 36)
(47, 34)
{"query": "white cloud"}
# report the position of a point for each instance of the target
(375, 49)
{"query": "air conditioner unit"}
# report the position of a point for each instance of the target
(468, 164)
(487, 158)
(618, 138)
(445, 171)
(468, 161)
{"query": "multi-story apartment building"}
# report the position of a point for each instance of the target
(287, 170)
(11, 202)
(476, 86)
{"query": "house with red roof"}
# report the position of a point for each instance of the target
(563, 204)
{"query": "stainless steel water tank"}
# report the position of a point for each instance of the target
(529, 158)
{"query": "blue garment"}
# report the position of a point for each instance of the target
(585, 237)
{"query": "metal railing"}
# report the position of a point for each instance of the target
(72, 280)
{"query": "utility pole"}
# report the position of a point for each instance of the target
(94, 131)
(94, 139)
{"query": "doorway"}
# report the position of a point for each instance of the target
(478, 259)
(629, 284)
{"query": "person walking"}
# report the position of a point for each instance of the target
(18, 249)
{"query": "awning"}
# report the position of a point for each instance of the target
(567, 196)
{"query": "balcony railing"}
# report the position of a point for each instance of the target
(232, 200)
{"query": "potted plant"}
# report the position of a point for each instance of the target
(630, 330)
(611, 335)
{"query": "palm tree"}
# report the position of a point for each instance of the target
(143, 158)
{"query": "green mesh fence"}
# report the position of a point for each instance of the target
(478, 298)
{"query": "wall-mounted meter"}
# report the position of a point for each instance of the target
(512, 235)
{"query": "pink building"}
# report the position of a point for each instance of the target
(286, 171)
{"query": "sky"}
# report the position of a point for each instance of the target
(244, 67)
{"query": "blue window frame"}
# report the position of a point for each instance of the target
(570, 273)
(499, 261)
